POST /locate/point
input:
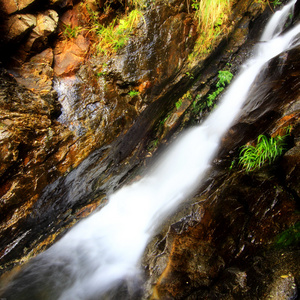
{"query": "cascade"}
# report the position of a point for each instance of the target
(105, 248)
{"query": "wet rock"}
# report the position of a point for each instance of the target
(69, 55)
(46, 24)
(26, 35)
(291, 161)
(151, 57)
(28, 141)
(283, 288)
(11, 6)
(97, 108)
(236, 217)
(19, 25)
(37, 74)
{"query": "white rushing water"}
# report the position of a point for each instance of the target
(108, 245)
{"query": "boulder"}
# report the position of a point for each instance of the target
(37, 74)
(11, 6)
(18, 26)
(46, 24)
(69, 55)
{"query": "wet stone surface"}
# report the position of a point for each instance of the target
(194, 254)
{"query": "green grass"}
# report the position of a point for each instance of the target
(71, 32)
(210, 13)
(115, 36)
(211, 16)
(265, 151)
(276, 3)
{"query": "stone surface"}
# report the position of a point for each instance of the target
(20, 25)
(46, 24)
(212, 247)
(61, 3)
(37, 74)
(69, 55)
(11, 6)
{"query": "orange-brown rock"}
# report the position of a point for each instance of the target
(37, 74)
(69, 55)
(11, 6)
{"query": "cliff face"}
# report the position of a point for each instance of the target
(75, 124)
(234, 239)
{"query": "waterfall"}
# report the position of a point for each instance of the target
(106, 247)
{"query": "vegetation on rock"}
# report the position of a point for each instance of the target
(72, 32)
(266, 150)
(133, 93)
(289, 237)
(225, 78)
(211, 16)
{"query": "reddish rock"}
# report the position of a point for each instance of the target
(68, 55)
(11, 6)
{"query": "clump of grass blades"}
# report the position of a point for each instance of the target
(209, 12)
(266, 150)
(115, 36)
(210, 15)
(71, 32)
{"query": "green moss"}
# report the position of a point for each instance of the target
(178, 104)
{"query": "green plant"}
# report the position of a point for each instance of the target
(178, 104)
(115, 36)
(210, 15)
(225, 78)
(153, 144)
(71, 32)
(276, 3)
(190, 75)
(133, 93)
(266, 150)
(101, 74)
(289, 237)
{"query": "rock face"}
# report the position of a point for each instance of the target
(229, 241)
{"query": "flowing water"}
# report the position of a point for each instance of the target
(105, 248)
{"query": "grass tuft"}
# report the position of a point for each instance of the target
(116, 35)
(265, 151)
(211, 15)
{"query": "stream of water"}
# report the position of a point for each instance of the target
(107, 246)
